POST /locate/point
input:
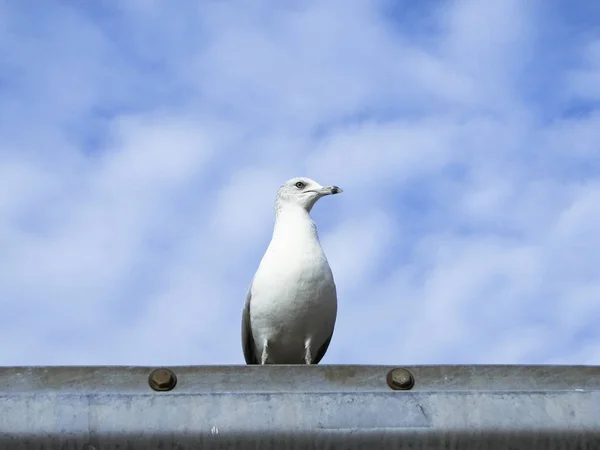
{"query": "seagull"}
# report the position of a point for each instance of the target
(291, 304)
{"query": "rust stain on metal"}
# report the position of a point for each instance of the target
(340, 374)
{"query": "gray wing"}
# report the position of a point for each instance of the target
(322, 349)
(247, 338)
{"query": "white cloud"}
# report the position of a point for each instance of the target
(383, 153)
(357, 247)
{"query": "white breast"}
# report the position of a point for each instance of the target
(293, 294)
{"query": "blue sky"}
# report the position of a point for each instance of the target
(141, 146)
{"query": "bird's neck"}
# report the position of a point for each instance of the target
(294, 223)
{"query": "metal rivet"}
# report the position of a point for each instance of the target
(400, 379)
(162, 380)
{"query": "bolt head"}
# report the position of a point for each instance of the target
(400, 379)
(162, 380)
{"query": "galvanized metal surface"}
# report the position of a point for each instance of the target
(280, 407)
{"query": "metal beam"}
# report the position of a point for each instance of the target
(281, 407)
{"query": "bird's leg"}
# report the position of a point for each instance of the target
(265, 354)
(307, 355)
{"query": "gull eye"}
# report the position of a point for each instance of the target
(300, 185)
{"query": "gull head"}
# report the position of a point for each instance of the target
(303, 192)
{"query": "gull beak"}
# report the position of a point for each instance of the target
(329, 190)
